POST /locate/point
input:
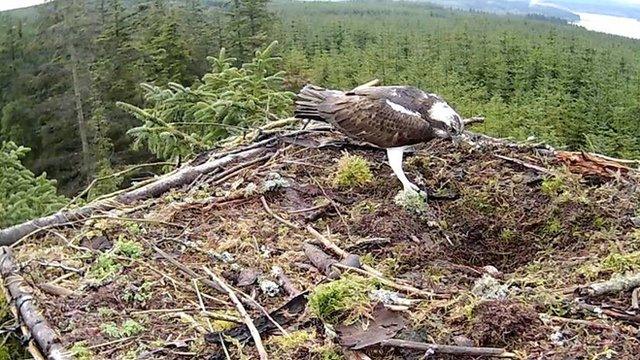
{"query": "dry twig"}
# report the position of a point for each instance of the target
(275, 216)
(245, 316)
(449, 349)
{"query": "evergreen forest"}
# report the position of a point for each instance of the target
(89, 90)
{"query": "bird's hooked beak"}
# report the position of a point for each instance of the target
(456, 130)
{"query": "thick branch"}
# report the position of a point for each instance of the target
(19, 294)
(615, 285)
(180, 177)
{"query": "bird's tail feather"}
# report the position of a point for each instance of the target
(308, 100)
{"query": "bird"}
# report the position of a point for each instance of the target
(388, 117)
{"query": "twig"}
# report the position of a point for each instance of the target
(245, 316)
(473, 120)
(336, 249)
(149, 221)
(613, 313)
(525, 164)
(591, 324)
(634, 299)
(225, 175)
(449, 349)
(109, 343)
(277, 217)
(371, 83)
(614, 285)
(392, 284)
(285, 282)
(224, 347)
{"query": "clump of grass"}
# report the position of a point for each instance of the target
(344, 299)
(80, 351)
(128, 248)
(352, 171)
(129, 328)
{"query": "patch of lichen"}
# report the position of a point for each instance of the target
(352, 171)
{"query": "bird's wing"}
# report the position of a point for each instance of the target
(408, 97)
(378, 121)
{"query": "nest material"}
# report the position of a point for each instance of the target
(143, 261)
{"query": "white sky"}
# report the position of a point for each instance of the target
(14, 4)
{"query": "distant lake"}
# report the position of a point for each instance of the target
(615, 25)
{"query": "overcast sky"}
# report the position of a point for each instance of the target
(14, 4)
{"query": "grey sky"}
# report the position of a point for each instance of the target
(14, 4)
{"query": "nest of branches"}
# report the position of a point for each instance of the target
(256, 250)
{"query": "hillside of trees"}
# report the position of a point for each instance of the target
(70, 84)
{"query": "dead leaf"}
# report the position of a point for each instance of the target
(385, 325)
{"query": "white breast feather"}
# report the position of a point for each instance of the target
(441, 111)
(402, 109)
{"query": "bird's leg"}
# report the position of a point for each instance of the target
(395, 161)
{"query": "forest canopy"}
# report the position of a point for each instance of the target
(72, 73)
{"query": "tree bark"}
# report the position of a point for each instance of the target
(19, 295)
(82, 124)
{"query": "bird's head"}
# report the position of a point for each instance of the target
(447, 123)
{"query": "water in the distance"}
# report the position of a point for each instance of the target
(610, 24)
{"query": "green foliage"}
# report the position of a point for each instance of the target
(621, 263)
(128, 248)
(105, 267)
(291, 342)
(352, 171)
(23, 196)
(559, 83)
(344, 299)
(553, 186)
(81, 351)
(129, 328)
(138, 294)
(181, 120)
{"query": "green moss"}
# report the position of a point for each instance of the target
(620, 263)
(80, 351)
(291, 342)
(129, 328)
(352, 171)
(128, 248)
(105, 267)
(553, 227)
(553, 186)
(344, 299)
(507, 234)
(138, 294)
(328, 352)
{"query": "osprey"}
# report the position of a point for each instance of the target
(389, 117)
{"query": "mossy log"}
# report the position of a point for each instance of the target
(34, 324)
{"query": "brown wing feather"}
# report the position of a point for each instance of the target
(374, 121)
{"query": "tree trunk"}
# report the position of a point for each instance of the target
(82, 124)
